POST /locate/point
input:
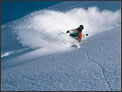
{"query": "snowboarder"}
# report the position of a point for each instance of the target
(77, 33)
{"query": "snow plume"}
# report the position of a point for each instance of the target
(46, 28)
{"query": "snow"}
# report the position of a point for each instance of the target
(95, 66)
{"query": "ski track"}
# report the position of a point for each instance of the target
(102, 69)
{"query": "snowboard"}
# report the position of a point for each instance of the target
(75, 46)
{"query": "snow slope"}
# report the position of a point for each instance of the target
(34, 63)
(94, 66)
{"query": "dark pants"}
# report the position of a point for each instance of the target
(75, 36)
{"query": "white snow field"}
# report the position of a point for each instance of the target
(36, 56)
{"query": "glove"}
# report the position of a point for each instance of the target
(67, 32)
(86, 34)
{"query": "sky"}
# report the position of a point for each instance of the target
(15, 9)
(12, 10)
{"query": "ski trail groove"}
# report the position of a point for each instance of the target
(101, 69)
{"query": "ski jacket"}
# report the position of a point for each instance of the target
(76, 34)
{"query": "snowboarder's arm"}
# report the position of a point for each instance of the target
(84, 35)
(69, 31)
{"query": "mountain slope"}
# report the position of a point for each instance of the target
(95, 66)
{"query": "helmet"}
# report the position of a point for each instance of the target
(81, 26)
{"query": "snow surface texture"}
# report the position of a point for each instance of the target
(38, 65)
